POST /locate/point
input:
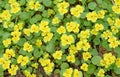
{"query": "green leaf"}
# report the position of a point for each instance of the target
(36, 53)
(96, 60)
(50, 46)
(94, 52)
(92, 5)
(71, 1)
(117, 50)
(21, 41)
(47, 2)
(91, 69)
(24, 16)
(117, 70)
(22, 2)
(22, 52)
(1, 71)
(99, 1)
(96, 41)
(64, 66)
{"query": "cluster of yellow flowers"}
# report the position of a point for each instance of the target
(47, 65)
(28, 74)
(67, 39)
(43, 26)
(57, 55)
(72, 27)
(97, 28)
(27, 47)
(70, 72)
(22, 60)
(116, 6)
(101, 73)
(77, 10)
(33, 5)
(15, 7)
(107, 60)
(13, 69)
(93, 16)
(62, 7)
(83, 42)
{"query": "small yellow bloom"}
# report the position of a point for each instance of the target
(92, 16)
(9, 53)
(116, 8)
(101, 73)
(76, 73)
(34, 28)
(37, 6)
(68, 72)
(71, 58)
(27, 47)
(55, 20)
(118, 62)
(57, 55)
(13, 69)
(38, 42)
(101, 14)
(99, 27)
(22, 60)
(15, 7)
(86, 55)
(6, 15)
(26, 32)
(84, 67)
(7, 42)
(61, 30)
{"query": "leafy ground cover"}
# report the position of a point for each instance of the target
(59, 38)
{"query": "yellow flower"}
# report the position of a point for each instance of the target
(92, 16)
(7, 42)
(61, 30)
(22, 60)
(86, 55)
(101, 14)
(110, 21)
(68, 72)
(72, 27)
(108, 59)
(13, 69)
(34, 28)
(99, 27)
(62, 11)
(63, 5)
(37, 5)
(27, 47)
(44, 62)
(27, 32)
(55, 20)
(116, 8)
(31, 4)
(15, 7)
(76, 73)
(71, 58)
(43, 26)
(106, 34)
(49, 68)
(101, 73)
(11, 1)
(47, 36)
(6, 64)
(94, 32)
(6, 15)
(84, 67)
(77, 10)
(67, 39)
(9, 53)
(38, 42)
(84, 34)
(118, 62)
(35, 65)
(117, 22)
(57, 55)
(117, 2)
(114, 29)
(73, 49)
(113, 42)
